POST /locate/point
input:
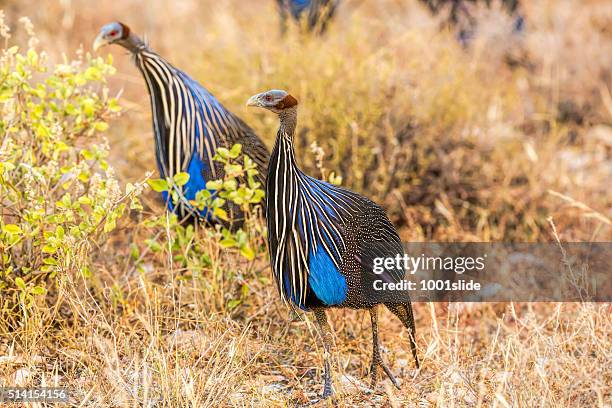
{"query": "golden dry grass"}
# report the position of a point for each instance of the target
(456, 144)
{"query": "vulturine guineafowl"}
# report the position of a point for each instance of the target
(460, 17)
(319, 12)
(322, 238)
(189, 124)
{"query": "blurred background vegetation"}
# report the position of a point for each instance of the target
(478, 143)
(457, 144)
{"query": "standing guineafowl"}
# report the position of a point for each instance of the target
(322, 239)
(189, 124)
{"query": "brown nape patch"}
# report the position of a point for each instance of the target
(125, 31)
(287, 102)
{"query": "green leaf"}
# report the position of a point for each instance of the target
(50, 261)
(113, 105)
(49, 249)
(230, 185)
(88, 106)
(214, 185)
(134, 251)
(20, 283)
(84, 200)
(93, 74)
(110, 224)
(236, 149)
(223, 152)
(100, 126)
(221, 214)
(180, 179)
(153, 245)
(232, 304)
(59, 232)
(37, 290)
(12, 229)
(158, 185)
(203, 195)
(86, 272)
(233, 169)
(228, 243)
(247, 252)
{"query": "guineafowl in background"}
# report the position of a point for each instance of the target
(189, 124)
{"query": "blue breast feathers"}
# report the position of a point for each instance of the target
(328, 284)
(324, 278)
(196, 182)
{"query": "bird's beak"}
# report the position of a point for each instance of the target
(253, 101)
(99, 42)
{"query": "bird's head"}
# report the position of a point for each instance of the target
(274, 100)
(111, 34)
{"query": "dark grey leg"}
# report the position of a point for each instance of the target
(325, 332)
(404, 313)
(376, 358)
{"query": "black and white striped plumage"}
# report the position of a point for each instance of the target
(189, 123)
(315, 230)
(322, 238)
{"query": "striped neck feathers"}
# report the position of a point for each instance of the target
(283, 155)
(284, 138)
(169, 136)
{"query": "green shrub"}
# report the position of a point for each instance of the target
(199, 253)
(59, 198)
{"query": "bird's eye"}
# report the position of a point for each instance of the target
(268, 97)
(113, 33)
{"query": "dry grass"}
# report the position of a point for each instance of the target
(456, 144)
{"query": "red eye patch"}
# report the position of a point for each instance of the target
(113, 33)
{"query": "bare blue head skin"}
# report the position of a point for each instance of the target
(120, 34)
(281, 103)
(274, 100)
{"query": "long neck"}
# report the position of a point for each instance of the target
(282, 189)
(159, 76)
(282, 168)
(133, 43)
(288, 121)
(282, 158)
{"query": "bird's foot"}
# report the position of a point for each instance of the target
(374, 374)
(328, 391)
(390, 375)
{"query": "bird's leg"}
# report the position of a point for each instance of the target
(325, 332)
(375, 351)
(376, 357)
